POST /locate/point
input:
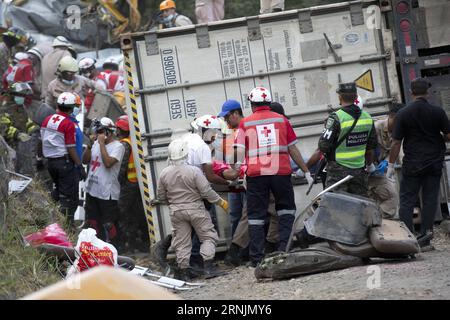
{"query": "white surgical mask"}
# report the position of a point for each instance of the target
(68, 82)
(19, 100)
(76, 111)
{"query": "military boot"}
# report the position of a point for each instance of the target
(160, 251)
(210, 270)
(232, 258)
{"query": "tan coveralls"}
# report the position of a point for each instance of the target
(267, 6)
(381, 189)
(183, 187)
(49, 65)
(80, 87)
(209, 10)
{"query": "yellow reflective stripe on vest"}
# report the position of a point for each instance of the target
(131, 172)
(350, 155)
(347, 124)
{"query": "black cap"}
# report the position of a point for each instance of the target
(395, 107)
(420, 86)
(278, 108)
(347, 88)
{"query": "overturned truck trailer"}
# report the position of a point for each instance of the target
(178, 74)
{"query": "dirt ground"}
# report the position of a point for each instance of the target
(426, 277)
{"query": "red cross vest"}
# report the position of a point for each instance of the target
(266, 144)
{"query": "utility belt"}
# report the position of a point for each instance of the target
(66, 157)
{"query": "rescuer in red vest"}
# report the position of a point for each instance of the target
(267, 140)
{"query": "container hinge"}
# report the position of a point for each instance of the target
(254, 29)
(151, 44)
(304, 18)
(356, 14)
(202, 36)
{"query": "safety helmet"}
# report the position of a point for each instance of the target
(86, 64)
(69, 99)
(260, 94)
(21, 88)
(19, 56)
(167, 4)
(61, 41)
(37, 52)
(178, 149)
(105, 123)
(359, 102)
(68, 63)
(16, 33)
(111, 61)
(123, 123)
(207, 122)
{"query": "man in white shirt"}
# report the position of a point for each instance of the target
(102, 184)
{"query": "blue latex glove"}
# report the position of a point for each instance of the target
(381, 169)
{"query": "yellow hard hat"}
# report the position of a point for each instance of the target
(167, 4)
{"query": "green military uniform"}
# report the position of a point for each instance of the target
(348, 158)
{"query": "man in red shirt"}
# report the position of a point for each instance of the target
(267, 140)
(59, 147)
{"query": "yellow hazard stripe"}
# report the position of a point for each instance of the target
(145, 183)
(347, 124)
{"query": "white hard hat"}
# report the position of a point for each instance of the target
(86, 63)
(107, 123)
(37, 52)
(20, 56)
(359, 102)
(207, 121)
(111, 60)
(68, 63)
(61, 41)
(260, 94)
(69, 99)
(178, 149)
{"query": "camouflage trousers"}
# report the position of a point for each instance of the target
(359, 185)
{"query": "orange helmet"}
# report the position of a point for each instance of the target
(167, 4)
(122, 123)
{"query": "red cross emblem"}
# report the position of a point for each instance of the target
(266, 131)
(95, 164)
(56, 119)
(64, 98)
(264, 96)
(207, 122)
(356, 101)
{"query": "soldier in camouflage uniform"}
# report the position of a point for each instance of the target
(132, 224)
(356, 149)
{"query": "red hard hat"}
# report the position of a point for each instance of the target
(122, 123)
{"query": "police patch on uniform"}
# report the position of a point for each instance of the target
(329, 123)
(357, 139)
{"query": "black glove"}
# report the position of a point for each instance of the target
(82, 172)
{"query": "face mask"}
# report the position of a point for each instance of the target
(76, 111)
(168, 21)
(68, 82)
(19, 100)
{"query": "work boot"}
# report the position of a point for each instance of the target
(196, 262)
(271, 247)
(160, 251)
(210, 270)
(232, 258)
(424, 241)
(182, 274)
